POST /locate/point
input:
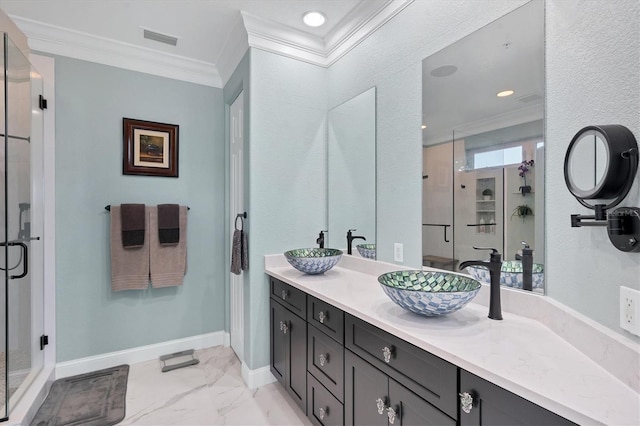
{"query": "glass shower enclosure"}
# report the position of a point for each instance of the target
(21, 226)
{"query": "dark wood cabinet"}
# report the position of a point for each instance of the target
(433, 379)
(342, 370)
(373, 398)
(488, 404)
(288, 346)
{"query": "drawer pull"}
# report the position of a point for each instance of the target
(284, 327)
(391, 413)
(322, 316)
(466, 402)
(285, 293)
(323, 412)
(386, 352)
(324, 359)
(380, 404)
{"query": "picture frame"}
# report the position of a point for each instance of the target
(150, 148)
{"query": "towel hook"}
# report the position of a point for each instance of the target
(242, 217)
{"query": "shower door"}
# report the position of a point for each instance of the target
(21, 222)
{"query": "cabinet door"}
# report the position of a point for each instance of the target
(366, 393)
(409, 409)
(278, 341)
(493, 405)
(297, 360)
(323, 408)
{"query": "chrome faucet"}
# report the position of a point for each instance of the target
(350, 238)
(320, 239)
(494, 264)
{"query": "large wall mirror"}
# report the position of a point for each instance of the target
(483, 144)
(351, 142)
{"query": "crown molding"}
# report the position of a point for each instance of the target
(361, 22)
(234, 49)
(79, 45)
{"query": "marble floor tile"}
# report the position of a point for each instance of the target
(209, 393)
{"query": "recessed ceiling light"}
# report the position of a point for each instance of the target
(314, 19)
(505, 93)
(424, 126)
(444, 71)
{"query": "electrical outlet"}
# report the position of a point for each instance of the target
(398, 255)
(630, 310)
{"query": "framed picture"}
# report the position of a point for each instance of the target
(150, 149)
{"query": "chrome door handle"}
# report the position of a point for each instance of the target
(380, 404)
(324, 359)
(386, 352)
(466, 402)
(323, 412)
(391, 414)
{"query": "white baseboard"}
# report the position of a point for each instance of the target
(256, 378)
(227, 339)
(139, 354)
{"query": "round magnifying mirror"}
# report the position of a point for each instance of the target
(601, 163)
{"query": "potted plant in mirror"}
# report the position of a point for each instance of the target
(522, 211)
(524, 168)
(487, 193)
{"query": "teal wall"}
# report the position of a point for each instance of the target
(91, 100)
(287, 174)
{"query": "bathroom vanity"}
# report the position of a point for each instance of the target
(348, 355)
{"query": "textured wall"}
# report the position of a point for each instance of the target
(593, 76)
(287, 174)
(91, 100)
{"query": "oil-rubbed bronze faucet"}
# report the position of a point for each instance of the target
(350, 238)
(320, 239)
(494, 264)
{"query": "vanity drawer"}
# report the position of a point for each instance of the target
(326, 317)
(324, 408)
(432, 378)
(291, 297)
(325, 360)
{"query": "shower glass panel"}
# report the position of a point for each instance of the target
(21, 302)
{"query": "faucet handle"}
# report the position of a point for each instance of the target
(351, 230)
(525, 244)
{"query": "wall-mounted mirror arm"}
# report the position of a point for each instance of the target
(601, 163)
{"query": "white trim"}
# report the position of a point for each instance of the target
(256, 378)
(227, 339)
(80, 45)
(139, 354)
(351, 31)
(29, 403)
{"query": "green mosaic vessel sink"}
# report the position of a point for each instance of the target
(313, 260)
(429, 293)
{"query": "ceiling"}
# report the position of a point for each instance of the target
(205, 29)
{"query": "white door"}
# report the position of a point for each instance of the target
(236, 303)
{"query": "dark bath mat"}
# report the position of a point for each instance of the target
(91, 399)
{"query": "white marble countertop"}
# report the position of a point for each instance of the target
(517, 353)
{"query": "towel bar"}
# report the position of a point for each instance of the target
(108, 207)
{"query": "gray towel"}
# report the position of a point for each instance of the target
(133, 224)
(167, 263)
(239, 252)
(129, 266)
(236, 252)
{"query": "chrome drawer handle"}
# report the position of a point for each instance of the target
(284, 294)
(281, 325)
(324, 359)
(466, 402)
(386, 352)
(380, 404)
(323, 412)
(284, 327)
(391, 413)
(322, 316)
